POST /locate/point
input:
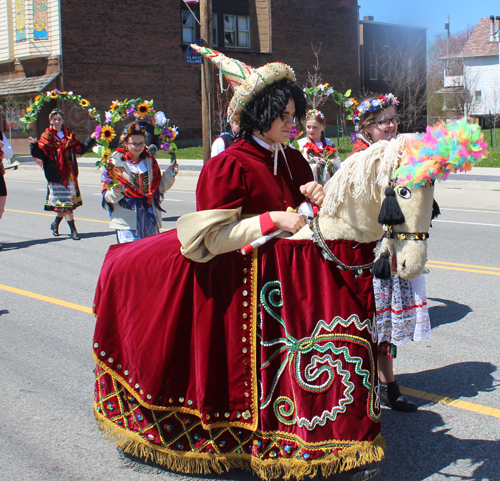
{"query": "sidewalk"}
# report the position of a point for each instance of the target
(479, 178)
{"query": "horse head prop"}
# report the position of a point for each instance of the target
(387, 192)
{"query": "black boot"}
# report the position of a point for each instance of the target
(55, 226)
(356, 474)
(391, 397)
(74, 233)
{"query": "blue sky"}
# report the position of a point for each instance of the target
(431, 14)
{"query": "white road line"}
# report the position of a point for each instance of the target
(474, 211)
(469, 223)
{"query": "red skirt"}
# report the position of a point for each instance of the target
(265, 362)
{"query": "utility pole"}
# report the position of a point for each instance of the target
(447, 27)
(207, 79)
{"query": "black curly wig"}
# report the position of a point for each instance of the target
(270, 104)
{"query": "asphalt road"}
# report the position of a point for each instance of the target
(47, 428)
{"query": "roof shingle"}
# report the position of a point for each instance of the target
(478, 44)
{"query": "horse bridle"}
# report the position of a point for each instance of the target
(405, 236)
(319, 240)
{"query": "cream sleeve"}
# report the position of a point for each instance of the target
(208, 233)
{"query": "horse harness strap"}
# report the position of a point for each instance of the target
(319, 240)
(406, 236)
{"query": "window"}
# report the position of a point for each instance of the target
(229, 30)
(188, 28)
(373, 66)
(411, 69)
(478, 95)
(236, 31)
(243, 31)
(388, 69)
(215, 31)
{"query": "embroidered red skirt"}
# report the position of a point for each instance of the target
(264, 362)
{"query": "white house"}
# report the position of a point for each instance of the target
(472, 77)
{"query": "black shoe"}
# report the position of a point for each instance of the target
(74, 234)
(356, 474)
(1, 247)
(55, 226)
(391, 397)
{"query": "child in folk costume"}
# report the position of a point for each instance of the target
(57, 149)
(401, 304)
(134, 204)
(319, 151)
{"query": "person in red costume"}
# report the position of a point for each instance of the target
(57, 149)
(187, 372)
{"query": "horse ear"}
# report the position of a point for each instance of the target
(390, 212)
(382, 267)
(435, 209)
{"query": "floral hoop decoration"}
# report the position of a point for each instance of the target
(40, 100)
(324, 90)
(119, 111)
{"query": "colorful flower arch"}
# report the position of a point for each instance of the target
(324, 90)
(34, 109)
(120, 110)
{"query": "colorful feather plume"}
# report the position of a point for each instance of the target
(440, 150)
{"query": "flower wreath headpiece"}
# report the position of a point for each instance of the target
(373, 105)
(55, 112)
(315, 113)
(131, 130)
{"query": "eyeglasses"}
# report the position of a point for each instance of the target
(134, 145)
(385, 123)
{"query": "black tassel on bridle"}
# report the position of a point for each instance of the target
(435, 209)
(390, 212)
(382, 267)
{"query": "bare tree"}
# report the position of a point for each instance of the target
(461, 99)
(443, 46)
(492, 103)
(314, 79)
(406, 75)
(9, 109)
(222, 99)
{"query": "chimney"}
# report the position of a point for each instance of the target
(368, 19)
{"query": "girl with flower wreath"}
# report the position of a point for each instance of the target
(134, 201)
(319, 151)
(57, 149)
(401, 305)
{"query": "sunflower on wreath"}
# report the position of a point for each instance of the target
(40, 100)
(120, 110)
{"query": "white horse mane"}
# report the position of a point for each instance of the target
(361, 172)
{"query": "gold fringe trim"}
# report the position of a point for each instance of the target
(364, 452)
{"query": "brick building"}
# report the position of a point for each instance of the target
(393, 58)
(126, 49)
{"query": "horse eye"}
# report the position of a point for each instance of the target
(404, 193)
